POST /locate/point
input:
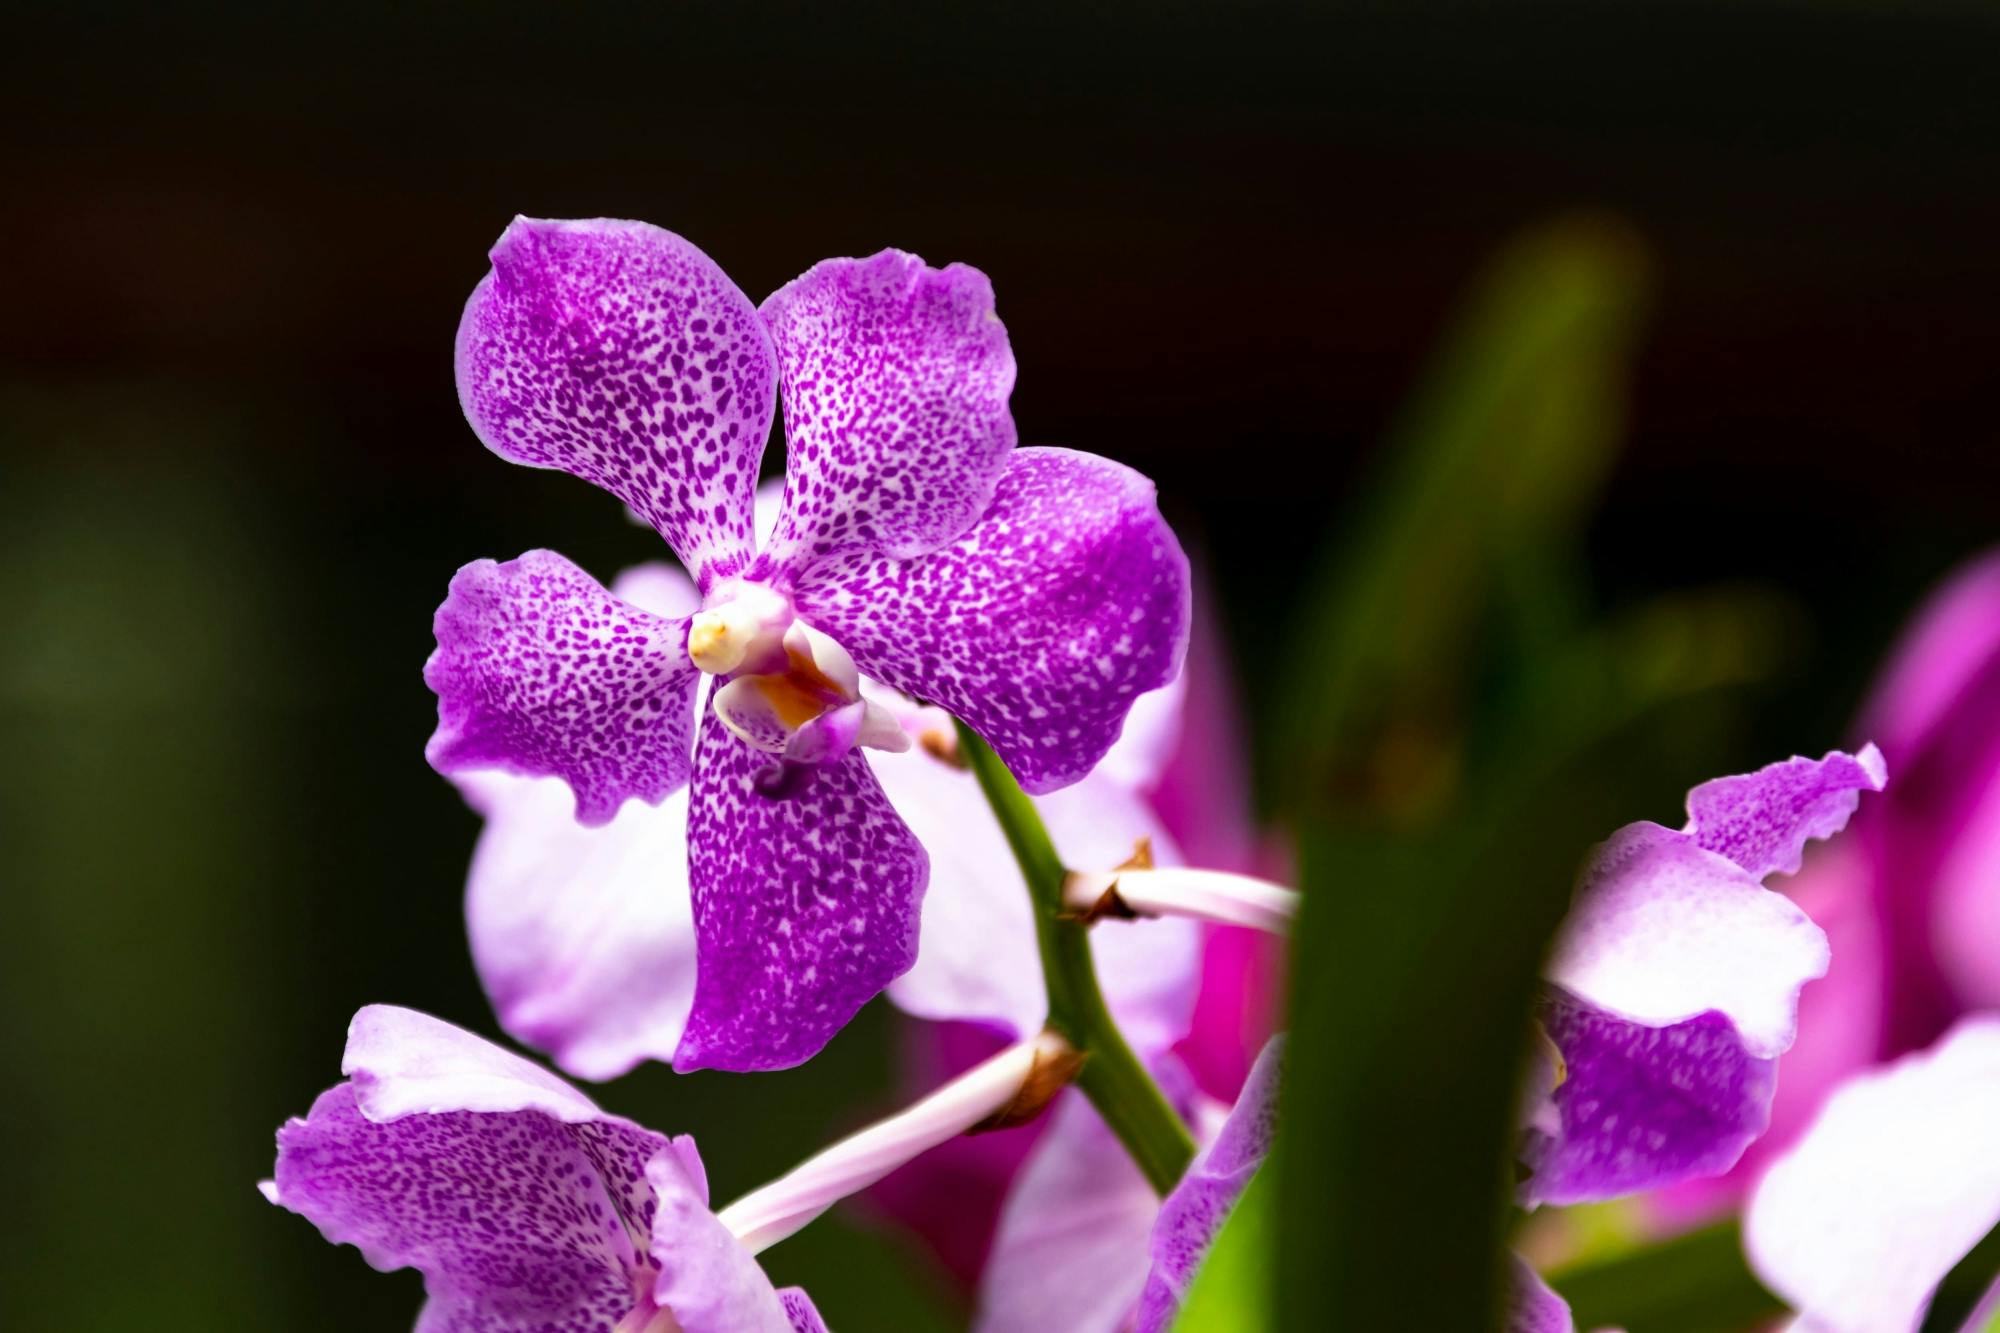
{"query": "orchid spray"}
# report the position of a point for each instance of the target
(726, 808)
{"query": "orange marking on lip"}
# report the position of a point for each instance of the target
(801, 693)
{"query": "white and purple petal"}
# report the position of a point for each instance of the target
(895, 378)
(805, 907)
(1195, 1210)
(619, 353)
(1763, 820)
(541, 672)
(1897, 1179)
(1662, 930)
(1040, 626)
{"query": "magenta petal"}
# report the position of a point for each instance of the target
(1040, 626)
(804, 907)
(1763, 820)
(539, 671)
(621, 354)
(895, 379)
(1194, 1212)
(1640, 1106)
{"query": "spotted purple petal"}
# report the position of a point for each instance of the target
(1763, 820)
(539, 671)
(711, 1283)
(804, 907)
(1194, 1212)
(1039, 626)
(525, 1208)
(895, 379)
(801, 1311)
(621, 354)
(1642, 1106)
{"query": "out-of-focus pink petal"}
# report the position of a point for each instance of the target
(1892, 1185)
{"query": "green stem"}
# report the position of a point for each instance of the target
(1112, 1077)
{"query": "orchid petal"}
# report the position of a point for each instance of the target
(583, 937)
(1531, 1306)
(1894, 1183)
(1662, 931)
(520, 1202)
(1040, 626)
(1195, 1210)
(895, 379)
(1641, 1106)
(1763, 820)
(621, 354)
(804, 908)
(1070, 1248)
(541, 672)
(977, 959)
(711, 1283)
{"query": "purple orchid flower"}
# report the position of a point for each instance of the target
(526, 1208)
(1894, 1182)
(1035, 593)
(585, 937)
(1675, 986)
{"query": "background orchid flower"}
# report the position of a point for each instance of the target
(525, 1207)
(1907, 897)
(1675, 984)
(1034, 593)
(1892, 1184)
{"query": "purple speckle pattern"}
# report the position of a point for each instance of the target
(895, 379)
(1531, 1306)
(1763, 820)
(1643, 1107)
(1194, 1212)
(1039, 626)
(804, 908)
(800, 1311)
(539, 671)
(619, 353)
(505, 1214)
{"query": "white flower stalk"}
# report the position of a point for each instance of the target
(1012, 1085)
(1203, 895)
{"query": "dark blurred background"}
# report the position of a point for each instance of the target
(234, 480)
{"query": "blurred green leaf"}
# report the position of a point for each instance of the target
(1447, 761)
(1482, 489)
(1692, 1283)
